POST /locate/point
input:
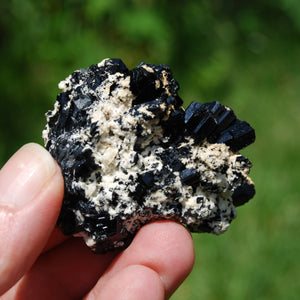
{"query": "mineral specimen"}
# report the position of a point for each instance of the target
(130, 153)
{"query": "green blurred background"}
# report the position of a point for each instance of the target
(246, 54)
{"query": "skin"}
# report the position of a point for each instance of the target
(38, 262)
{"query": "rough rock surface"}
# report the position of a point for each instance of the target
(130, 154)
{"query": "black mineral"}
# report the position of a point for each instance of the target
(130, 153)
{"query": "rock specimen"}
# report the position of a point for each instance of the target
(130, 153)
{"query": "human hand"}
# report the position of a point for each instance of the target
(38, 262)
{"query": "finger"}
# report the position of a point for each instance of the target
(68, 271)
(130, 283)
(31, 192)
(161, 248)
(55, 239)
(71, 270)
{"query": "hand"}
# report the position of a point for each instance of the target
(38, 262)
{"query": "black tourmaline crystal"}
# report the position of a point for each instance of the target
(130, 153)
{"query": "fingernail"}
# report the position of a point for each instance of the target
(24, 176)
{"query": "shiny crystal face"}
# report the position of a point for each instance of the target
(130, 153)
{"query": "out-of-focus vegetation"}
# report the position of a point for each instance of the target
(245, 54)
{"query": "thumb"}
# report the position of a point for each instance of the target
(31, 192)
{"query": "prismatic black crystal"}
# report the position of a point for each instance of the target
(130, 153)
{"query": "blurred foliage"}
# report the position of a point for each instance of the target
(242, 53)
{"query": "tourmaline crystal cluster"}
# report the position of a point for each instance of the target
(130, 154)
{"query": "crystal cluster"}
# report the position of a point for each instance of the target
(130, 153)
